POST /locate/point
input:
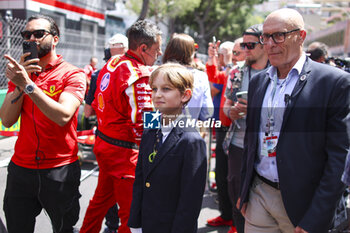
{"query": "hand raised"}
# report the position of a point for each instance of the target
(30, 65)
(16, 72)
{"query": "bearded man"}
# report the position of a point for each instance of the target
(44, 172)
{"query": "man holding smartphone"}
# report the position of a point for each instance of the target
(44, 172)
(235, 108)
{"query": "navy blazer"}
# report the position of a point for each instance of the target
(168, 193)
(312, 146)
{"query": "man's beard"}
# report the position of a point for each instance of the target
(44, 49)
(250, 62)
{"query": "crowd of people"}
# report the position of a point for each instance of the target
(281, 148)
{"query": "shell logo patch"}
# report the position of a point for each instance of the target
(105, 81)
(100, 102)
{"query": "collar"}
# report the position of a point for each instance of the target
(298, 67)
(166, 129)
(49, 66)
(55, 62)
(134, 56)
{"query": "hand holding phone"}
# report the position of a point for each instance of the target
(242, 95)
(30, 46)
(214, 40)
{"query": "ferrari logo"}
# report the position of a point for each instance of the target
(52, 89)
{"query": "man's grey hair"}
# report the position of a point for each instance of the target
(142, 32)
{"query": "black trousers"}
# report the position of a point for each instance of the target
(55, 190)
(235, 158)
(225, 206)
(112, 219)
(2, 227)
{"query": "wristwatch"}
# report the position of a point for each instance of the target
(29, 88)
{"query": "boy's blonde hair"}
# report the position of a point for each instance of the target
(179, 76)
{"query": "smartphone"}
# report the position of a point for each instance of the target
(214, 41)
(30, 46)
(242, 95)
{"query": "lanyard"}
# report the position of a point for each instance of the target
(157, 144)
(272, 102)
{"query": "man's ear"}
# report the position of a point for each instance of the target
(143, 47)
(186, 96)
(302, 34)
(55, 40)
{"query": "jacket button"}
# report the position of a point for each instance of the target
(148, 184)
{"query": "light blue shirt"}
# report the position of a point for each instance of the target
(201, 104)
(267, 166)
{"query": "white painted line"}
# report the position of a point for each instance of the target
(5, 162)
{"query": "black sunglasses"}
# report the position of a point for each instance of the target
(249, 45)
(38, 34)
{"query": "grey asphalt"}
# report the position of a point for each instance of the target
(87, 188)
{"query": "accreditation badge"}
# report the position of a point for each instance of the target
(269, 146)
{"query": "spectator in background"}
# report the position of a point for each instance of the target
(44, 172)
(297, 135)
(118, 44)
(225, 55)
(255, 61)
(197, 62)
(225, 60)
(318, 51)
(122, 94)
(89, 69)
(181, 49)
(238, 55)
(219, 79)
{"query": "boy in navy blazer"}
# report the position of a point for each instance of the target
(171, 170)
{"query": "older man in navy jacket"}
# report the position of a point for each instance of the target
(297, 135)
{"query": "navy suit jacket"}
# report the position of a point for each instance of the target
(175, 179)
(312, 146)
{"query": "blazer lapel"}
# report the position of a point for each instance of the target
(169, 143)
(258, 98)
(303, 77)
(260, 91)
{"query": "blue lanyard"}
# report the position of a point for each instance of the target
(272, 103)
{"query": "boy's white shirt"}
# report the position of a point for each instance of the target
(136, 230)
(166, 129)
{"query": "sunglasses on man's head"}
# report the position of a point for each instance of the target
(38, 34)
(249, 45)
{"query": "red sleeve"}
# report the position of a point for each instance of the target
(76, 84)
(11, 87)
(214, 75)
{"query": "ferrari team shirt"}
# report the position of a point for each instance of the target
(41, 143)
